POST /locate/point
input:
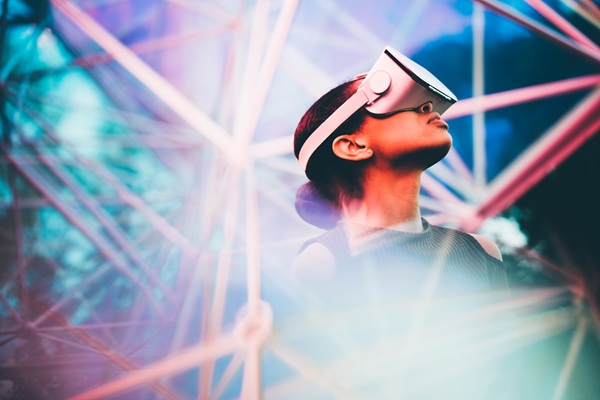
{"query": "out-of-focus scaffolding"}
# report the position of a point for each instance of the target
(148, 185)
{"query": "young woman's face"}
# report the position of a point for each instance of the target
(413, 136)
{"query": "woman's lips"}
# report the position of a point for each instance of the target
(438, 121)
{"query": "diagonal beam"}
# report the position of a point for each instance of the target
(214, 324)
(479, 132)
(107, 352)
(308, 371)
(252, 109)
(207, 9)
(252, 65)
(114, 231)
(233, 366)
(550, 150)
(541, 30)
(68, 211)
(458, 166)
(252, 366)
(168, 231)
(572, 354)
(98, 271)
(143, 47)
(252, 245)
(188, 359)
(585, 9)
(562, 24)
(158, 85)
(521, 95)
(283, 145)
(450, 178)
(355, 26)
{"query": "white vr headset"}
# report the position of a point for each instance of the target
(394, 84)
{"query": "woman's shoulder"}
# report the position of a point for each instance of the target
(483, 243)
(488, 245)
(316, 258)
(315, 262)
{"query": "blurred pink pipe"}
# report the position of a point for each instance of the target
(553, 148)
(540, 30)
(283, 145)
(521, 95)
(157, 84)
(562, 24)
(188, 359)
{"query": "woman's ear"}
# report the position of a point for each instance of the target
(347, 147)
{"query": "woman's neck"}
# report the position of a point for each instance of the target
(390, 200)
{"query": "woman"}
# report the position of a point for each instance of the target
(364, 146)
(365, 173)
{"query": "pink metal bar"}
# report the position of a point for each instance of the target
(299, 67)
(147, 76)
(458, 165)
(213, 326)
(464, 187)
(101, 348)
(540, 29)
(251, 67)
(307, 371)
(251, 387)
(98, 271)
(274, 147)
(221, 181)
(479, 132)
(207, 9)
(21, 261)
(104, 247)
(586, 9)
(152, 45)
(521, 95)
(188, 359)
(267, 70)
(60, 303)
(357, 31)
(226, 107)
(572, 354)
(563, 275)
(488, 349)
(437, 189)
(442, 219)
(160, 223)
(233, 366)
(556, 145)
(252, 246)
(462, 108)
(345, 366)
(167, 230)
(69, 343)
(592, 7)
(11, 309)
(98, 326)
(114, 231)
(451, 209)
(563, 24)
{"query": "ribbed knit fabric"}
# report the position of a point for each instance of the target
(425, 312)
(437, 259)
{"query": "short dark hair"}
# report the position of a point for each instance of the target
(324, 166)
(329, 174)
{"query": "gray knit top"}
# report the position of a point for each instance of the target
(391, 262)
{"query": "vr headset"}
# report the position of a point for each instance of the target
(394, 84)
